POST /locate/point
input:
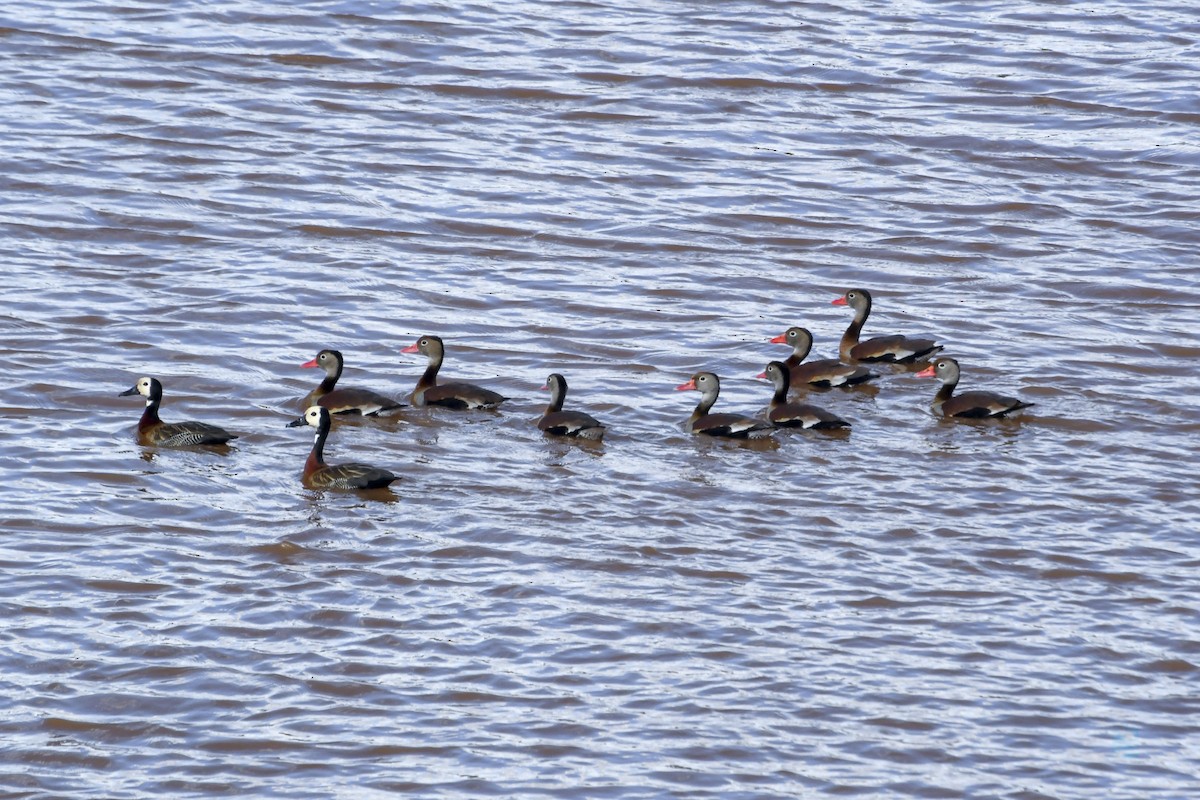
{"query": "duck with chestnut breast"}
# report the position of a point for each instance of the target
(795, 415)
(319, 475)
(458, 395)
(896, 349)
(822, 372)
(567, 423)
(968, 405)
(733, 426)
(153, 431)
(346, 401)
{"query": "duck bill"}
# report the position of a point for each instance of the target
(683, 387)
(310, 364)
(841, 301)
(412, 348)
(129, 391)
(297, 422)
(761, 375)
(928, 372)
(780, 339)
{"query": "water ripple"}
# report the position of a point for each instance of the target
(212, 192)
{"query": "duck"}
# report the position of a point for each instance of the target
(457, 395)
(346, 401)
(567, 423)
(153, 431)
(795, 415)
(823, 372)
(733, 426)
(894, 349)
(968, 405)
(319, 475)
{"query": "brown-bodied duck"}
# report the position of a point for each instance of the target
(896, 349)
(734, 426)
(346, 400)
(153, 431)
(821, 372)
(968, 405)
(319, 475)
(795, 415)
(567, 423)
(429, 392)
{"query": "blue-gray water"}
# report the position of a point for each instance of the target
(210, 192)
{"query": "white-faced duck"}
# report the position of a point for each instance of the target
(153, 431)
(319, 475)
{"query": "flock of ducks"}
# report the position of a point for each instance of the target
(793, 373)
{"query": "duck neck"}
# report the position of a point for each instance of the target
(150, 415)
(330, 380)
(316, 458)
(799, 352)
(429, 377)
(850, 337)
(944, 393)
(704, 406)
(558, 393)
(781, 390)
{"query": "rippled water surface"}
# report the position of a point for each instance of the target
(210, 192)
